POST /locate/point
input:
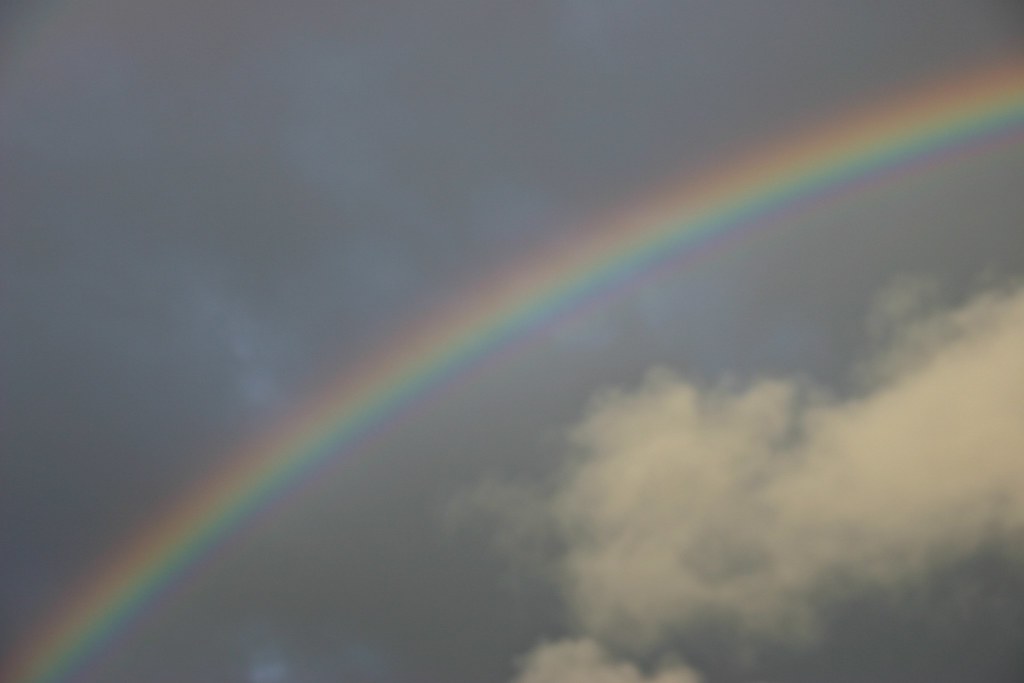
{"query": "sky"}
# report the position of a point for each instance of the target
(796, 459)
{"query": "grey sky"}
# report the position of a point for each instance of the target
(207, 207)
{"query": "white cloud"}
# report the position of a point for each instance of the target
(584, 661)
(683, 503)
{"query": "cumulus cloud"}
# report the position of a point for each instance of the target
(584, 661)
(752, 504)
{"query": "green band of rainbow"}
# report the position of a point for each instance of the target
(960, 117)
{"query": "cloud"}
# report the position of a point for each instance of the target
(584, 661)
(681, 505)
(248, 349)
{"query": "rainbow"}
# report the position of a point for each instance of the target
(959, 117)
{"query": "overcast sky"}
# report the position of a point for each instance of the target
(798, 460)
